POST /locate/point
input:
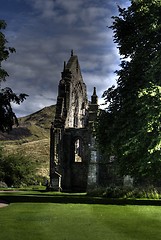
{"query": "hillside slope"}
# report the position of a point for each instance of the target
(31, 138)
(32, 127)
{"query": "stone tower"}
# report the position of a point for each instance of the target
(72, 97)
(73, 154)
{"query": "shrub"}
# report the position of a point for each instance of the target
(126, 192)
(116, 192)
(96, 192)
(16, 170)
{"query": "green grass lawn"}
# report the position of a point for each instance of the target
(78, 221)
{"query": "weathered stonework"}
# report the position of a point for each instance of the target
(74, 164)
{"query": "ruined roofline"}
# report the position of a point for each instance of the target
(71, 68)
(73, 60)
(72, 63)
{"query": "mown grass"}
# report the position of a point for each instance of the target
(46, 219)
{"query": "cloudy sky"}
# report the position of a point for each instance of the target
(44, 32)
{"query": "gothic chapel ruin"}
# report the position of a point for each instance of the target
(74, 159)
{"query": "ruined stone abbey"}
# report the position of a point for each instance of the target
(74, 158)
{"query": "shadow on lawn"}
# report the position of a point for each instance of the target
(72, 198)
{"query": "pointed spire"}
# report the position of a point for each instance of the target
(64, 70)
(94, 98)
(94, 91)
(72, 53)
(64, 66)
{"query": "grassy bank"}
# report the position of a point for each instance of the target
(36, 216)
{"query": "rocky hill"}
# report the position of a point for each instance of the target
(31, 138)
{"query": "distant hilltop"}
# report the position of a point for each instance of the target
(32, 127)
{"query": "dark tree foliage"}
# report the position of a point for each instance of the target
(133, 117)
(7, 96)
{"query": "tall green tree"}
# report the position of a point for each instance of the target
(7, 96)
(133, 117)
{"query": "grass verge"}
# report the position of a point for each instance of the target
(36, 216)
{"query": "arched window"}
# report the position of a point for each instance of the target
(78, 151)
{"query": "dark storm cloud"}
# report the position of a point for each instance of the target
(44, 32)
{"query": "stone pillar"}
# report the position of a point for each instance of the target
(55, 177)
(52, 164)
(94, 161)
(93, 165)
